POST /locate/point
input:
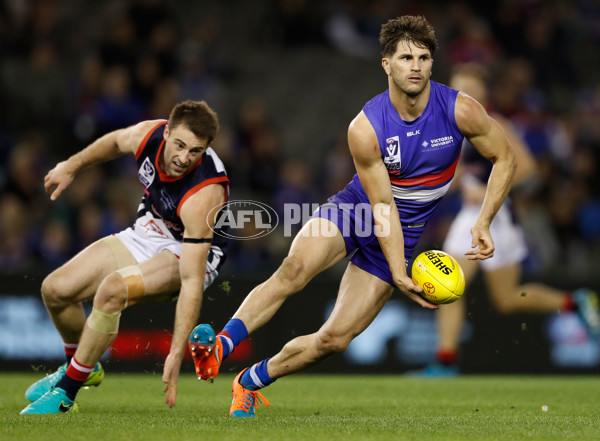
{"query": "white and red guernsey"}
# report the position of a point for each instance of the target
(158, 212)
(420, 155)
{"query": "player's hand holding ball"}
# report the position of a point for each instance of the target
(440, 276)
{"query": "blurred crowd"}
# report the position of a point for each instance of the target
(71, 71)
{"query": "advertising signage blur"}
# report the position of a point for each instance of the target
(401, 338)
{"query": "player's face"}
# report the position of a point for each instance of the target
(182, 150)
(409, 68)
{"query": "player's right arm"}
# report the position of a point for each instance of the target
(375, 179)
(105, 148)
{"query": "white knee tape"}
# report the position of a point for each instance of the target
(104, 322)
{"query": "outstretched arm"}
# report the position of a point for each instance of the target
(104, 149)
(376, 182)
(489, 139)
(192, 267)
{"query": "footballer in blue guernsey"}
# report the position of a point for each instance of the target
(405, 144)
(170, 252)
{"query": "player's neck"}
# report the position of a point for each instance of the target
(409, 107)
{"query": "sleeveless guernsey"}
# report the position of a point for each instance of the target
(421, 158)
(420, 155)
(164, 195)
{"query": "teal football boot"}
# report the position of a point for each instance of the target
(435, 370)
(53, 401)
(40, 387)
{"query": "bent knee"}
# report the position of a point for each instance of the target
(328, 343)
(55, 291)
(292, 272)
(112, 294)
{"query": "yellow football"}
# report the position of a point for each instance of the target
(440, 276)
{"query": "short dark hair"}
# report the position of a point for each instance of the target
(196, 116)
(411, 28)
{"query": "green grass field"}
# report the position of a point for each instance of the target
(319, 407)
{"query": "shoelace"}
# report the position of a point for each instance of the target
(252, 398)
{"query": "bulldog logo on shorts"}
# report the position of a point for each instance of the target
(146, 173)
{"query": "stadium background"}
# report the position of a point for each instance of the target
(286, 77)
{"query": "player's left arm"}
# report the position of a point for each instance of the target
(195, 215)
(487, 136)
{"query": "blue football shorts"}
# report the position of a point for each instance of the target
(354, 219)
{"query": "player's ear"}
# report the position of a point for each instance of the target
(166, 132)
(385, 63)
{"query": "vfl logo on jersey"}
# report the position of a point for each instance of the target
(392, 153)
(146, 173)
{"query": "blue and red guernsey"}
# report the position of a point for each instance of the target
(160, 207)
(420, 155)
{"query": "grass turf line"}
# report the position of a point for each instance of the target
(319, 407)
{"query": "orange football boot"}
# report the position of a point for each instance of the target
(207, 352)
(245, 400)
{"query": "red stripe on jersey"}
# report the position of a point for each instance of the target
(427, 180)
(203, 184)
(145, 140)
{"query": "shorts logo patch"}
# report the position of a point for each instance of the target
(146, 173)
(392, 158)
